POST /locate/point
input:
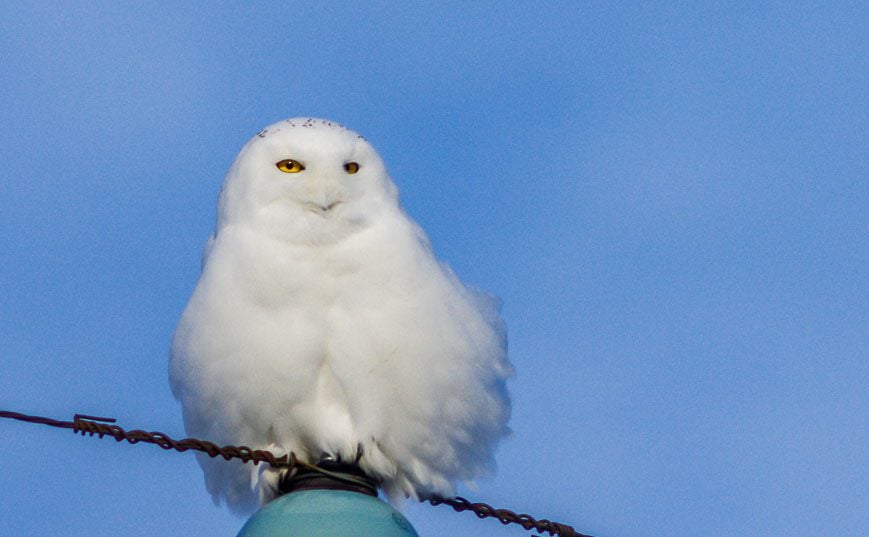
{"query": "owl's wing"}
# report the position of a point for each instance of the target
(206, 250)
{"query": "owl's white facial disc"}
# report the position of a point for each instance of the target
(305, 180)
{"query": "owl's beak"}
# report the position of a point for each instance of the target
(322, 210)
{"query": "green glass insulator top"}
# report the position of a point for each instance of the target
(327, 513)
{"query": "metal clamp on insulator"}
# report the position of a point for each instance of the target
(328, 475)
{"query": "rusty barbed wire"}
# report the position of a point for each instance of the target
(505, 516)
(101, 427)
(87, 425)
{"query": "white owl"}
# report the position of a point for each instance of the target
(322, 323)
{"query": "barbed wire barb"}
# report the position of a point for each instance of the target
(101, 427)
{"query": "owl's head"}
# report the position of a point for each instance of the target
(306, 180)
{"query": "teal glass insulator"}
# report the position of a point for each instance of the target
(327, 513)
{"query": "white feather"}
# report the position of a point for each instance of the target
(322, 322)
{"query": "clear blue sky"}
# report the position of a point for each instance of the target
(671, 201)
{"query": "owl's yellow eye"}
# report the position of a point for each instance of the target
(351, 167)
(289, 165)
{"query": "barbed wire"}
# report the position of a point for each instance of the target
(505, 516)
(102, 427)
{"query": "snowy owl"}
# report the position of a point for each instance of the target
(322, 324)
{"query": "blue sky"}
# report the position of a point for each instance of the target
(670, 199)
